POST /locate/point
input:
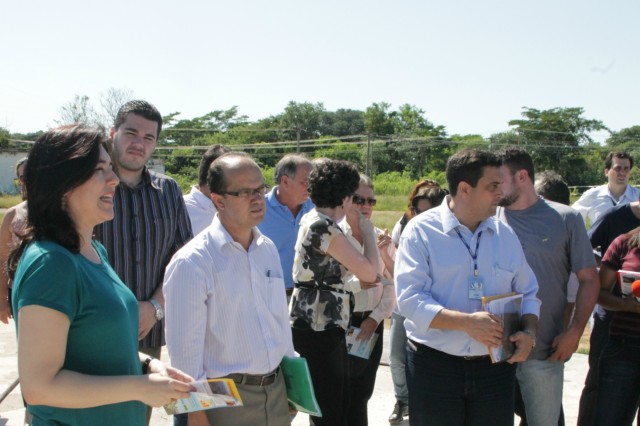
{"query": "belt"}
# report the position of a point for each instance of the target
(289, 291)
(362, 315)
(463, 357)
(254, 380)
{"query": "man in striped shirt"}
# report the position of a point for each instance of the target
(150, 219)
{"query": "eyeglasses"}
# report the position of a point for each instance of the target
(361, 200)
(248, 192)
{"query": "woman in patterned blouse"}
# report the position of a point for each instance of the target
(321, 304)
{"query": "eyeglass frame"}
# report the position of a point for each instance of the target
(361, 201)
(248, 193)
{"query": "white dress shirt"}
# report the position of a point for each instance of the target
(226, 308)
(596, 201)
(433, 270)
(380, 300)
(200, 209)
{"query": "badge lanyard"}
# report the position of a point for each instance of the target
(474, 256)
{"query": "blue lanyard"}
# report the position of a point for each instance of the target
(474, 256)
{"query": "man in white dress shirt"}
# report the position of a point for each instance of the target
(200, 208)
(226, 311)
(596, 201)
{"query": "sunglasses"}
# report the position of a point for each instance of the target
(361, 201)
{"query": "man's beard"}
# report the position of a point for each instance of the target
(507, 200)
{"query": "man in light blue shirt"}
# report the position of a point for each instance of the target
(447, 260)
(286, 204)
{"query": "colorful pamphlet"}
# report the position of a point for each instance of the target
(360, 348)
(208, 394)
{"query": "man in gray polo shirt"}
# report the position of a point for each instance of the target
(555, 243)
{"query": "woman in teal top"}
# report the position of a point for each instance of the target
(77, 322)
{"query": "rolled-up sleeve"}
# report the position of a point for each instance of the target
(413, 282)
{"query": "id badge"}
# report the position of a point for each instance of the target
(476, 288)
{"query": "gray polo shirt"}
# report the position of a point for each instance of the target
(555, 243)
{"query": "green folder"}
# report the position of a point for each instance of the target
(299, 386)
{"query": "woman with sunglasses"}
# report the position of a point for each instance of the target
(77, 323)
(321, 303)
(13, 224)
(425, 195)
(372, 305)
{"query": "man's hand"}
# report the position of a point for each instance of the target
(524, 345)
(485, 328)
(564, 345)
(367, 328)
(146, 320)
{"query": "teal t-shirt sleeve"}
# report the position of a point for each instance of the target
(49, 280)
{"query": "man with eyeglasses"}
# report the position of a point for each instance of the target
(287, 202)
(596, 201)
(226, 311)
(372, 305)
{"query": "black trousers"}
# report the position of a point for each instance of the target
(363, 378)
(326, 354)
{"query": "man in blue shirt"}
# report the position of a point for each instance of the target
(286, 204)
(448, 259)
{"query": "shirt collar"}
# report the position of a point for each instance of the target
(450, 221)
(147, 179)
(221, 237)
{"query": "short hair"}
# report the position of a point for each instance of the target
(60, 160)
(19, 164)
(552, 187)
(331, 181)
(215, 178)
(608, 162)
(207, 158)
(143, 109)
(288, 165)
(516, 158)
(365, 181)
(468, 166)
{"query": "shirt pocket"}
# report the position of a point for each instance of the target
(274, 293)
(504, 279)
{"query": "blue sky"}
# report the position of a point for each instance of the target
(470, 65)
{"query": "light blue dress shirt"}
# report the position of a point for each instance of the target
(433, 271)
(282, 228)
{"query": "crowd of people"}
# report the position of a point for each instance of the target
(106, 262)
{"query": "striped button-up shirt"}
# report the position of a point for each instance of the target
(150, 224)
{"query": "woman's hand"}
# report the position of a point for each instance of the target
(159, 390)
(365, 225)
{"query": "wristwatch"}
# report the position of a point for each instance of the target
(158, 308)
(533, 336)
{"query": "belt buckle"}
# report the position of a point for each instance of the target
(268, 376)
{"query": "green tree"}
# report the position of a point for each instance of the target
(378, 119)
(626, 139)
(343, 122)
(4, 137)
(555, 138)
(303, 119)
(190, 132)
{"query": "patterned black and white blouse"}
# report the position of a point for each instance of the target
(320, 300)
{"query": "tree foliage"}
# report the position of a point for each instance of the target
(4, 137)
